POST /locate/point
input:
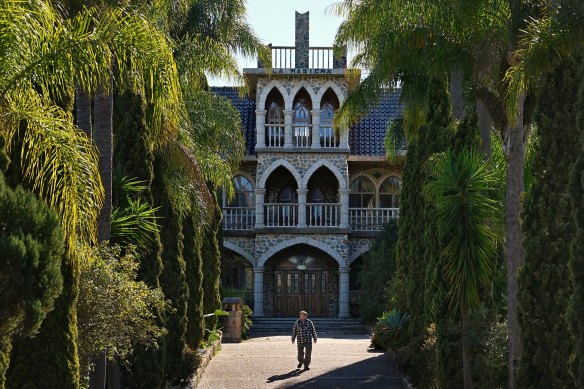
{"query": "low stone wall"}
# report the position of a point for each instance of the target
(206, 355)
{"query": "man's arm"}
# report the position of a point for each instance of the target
(294, 332)
(313, 330)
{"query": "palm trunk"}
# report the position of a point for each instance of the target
(485, 122)
(456, 93)
(515, 142)
(466, 367)
(83, 111)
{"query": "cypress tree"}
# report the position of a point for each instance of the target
(548, 230)
(576, 262)
(134, 158)
(32, 245)
(172, 277)
(194, 277)
(212, 267)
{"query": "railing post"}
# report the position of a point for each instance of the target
(288, 116)
(315, 128)
(344, 291)
(259, 193)
(258, 291)
(260, 129)
(302, 207)
(344, 193)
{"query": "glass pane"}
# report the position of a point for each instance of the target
(313, 284)
(388, 201)
(279, 283)
(305, 283)
(289, 283)
(323, 285)
(296, 283)
(362, 185)
(390, 185)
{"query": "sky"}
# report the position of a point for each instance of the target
(273, 22)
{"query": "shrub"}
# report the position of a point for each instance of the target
(246, 322)
(390, 330)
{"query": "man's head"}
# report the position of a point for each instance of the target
(303, 315)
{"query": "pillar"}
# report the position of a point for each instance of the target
(260, 129)
(302, 207)
(344, 194)
(344, 143)
(288, 118)
(315, 128)
(259, 194)
(344, 292)
(258, 291)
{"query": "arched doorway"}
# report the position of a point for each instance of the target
(302, 278)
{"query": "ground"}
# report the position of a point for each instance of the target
(270, 362)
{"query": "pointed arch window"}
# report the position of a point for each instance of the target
(244, 193)
(389, 193)
(302, 119)
(327, 130)
(362, 193)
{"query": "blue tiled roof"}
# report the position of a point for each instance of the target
(246, 108)
(367, 136)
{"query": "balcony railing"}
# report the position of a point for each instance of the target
(327, 137)
(281, 215)
(275, 135)
(284, 57)
(302, 135)
(322, 215)
(238, 218)
(371, 219)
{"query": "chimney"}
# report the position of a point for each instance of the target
(302, 29)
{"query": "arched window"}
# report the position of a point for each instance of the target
(275, 119)
(316, 196)
(287, 195)
(362, 193)
(244, 195)
(389, 193)
(328, 106)
(302, 119)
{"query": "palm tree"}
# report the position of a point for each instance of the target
(465, 216)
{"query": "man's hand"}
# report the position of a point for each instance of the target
(292, 341)
(314, 340)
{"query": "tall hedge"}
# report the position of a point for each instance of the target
(194, 277)
(576, 262)
(211, 267)
(133, 156)
(548, 226)
(31, 246)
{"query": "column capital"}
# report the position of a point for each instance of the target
(288, 112)
(302, 191)
(258, 269)
(260, 112)
(345, 191)
(315, 112)
(260, 191)
(344, 270)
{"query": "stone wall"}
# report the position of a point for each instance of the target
(316, 86)
(302, 39)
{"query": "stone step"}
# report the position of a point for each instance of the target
(324, 325)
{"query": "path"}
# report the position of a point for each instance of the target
(270, 362)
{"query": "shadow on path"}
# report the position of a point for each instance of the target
(280, 377)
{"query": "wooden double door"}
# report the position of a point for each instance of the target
(301, 290)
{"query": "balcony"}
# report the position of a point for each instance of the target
(302, 137)
(238, 218)
(371, 219)
(281, 215)
(323, 215)
(285, 57)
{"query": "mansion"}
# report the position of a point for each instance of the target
(309, 201)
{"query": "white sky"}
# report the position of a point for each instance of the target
(273, 21)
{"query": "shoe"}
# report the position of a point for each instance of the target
(306, 367)
(299, 366)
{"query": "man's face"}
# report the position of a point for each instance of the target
(303, 316)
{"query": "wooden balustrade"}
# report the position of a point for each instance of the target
(322, 214)
(371, 219)
(238, 218)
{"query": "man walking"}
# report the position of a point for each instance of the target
(304, 332)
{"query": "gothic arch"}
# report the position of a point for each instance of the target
(281, 162)
(331, 167)
(336, 89)
(231, 246)
(289, 100)
(301, 240)
(360, 251)
(266, 91)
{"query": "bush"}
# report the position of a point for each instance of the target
(246, 322)
(190, 361)
(390, 330)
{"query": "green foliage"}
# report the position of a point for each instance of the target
(115, 312)
(213, 333)
(246, 321)
(211, 267)
(49, 360)
(377, 271)
(544, 289)
(32, 246)
(390, 330)
(194, 277)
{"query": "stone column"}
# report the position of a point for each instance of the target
(301, 41)
(302, 207)
(344, 292)
(258, 291)
(288, 118)
(260, 129)
(344, 194)
(315, 129)
(259, 194)
(344, 143)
